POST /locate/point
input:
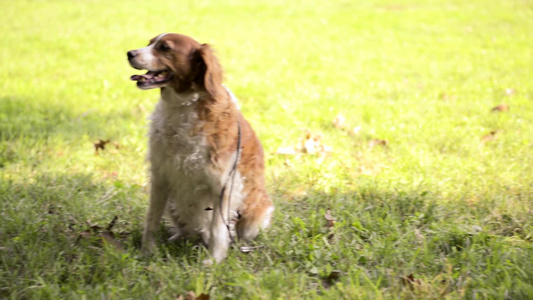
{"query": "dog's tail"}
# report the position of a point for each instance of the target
(255, 216)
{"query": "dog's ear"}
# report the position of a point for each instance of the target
(210, 71)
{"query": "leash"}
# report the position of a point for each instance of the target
(231, 174)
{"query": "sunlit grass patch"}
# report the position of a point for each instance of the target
(429, 186)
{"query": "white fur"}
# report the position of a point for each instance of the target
(183, 184)
(266, 222)
(145, 56)
(232, 97)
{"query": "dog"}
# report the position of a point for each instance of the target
(206, 162)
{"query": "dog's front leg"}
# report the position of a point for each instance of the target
(219, 239)
(158, 199)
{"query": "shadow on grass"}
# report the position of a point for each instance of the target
(66, 211)
(391, 235)
(53, 224)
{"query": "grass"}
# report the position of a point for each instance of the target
(437, 213)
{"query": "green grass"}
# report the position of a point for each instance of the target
(438, 213)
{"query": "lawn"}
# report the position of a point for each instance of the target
(430, 188)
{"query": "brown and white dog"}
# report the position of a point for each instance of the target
(207, 168)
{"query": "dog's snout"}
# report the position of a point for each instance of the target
(131, 54)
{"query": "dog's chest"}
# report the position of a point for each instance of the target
(177, 149)
(179, 155)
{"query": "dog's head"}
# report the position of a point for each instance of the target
(179, 62)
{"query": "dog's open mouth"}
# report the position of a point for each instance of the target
(152, 79)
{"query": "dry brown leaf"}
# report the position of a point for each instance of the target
(100, 145)
(490, 137)
(99, 236)
(309, 144)
(333, 277)
(339, 121)
(410, 281)
(377, 142)
(330, 221)
(190, 296)
(502, 107)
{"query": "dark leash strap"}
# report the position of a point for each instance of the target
(231, 174)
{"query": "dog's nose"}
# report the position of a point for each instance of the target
(131, 54)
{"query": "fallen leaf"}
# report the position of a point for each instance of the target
(100, 145)
(377, 142)
(100, 237)
(309, 146)
(192, 296)
(333, 277)
(490, 137)
(311, 143)
(203, 297)
(339, 121)
(502, 107)
(410, 281)
(330, 221)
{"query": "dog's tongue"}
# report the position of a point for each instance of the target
(149, 75)
(136, 77)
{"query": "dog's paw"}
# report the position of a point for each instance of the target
(148, 245)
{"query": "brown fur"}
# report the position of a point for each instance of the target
(196, 70)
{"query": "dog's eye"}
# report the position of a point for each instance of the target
(164, 47)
